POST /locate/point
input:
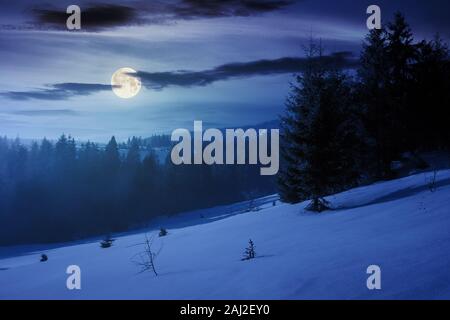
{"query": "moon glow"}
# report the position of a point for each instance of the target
(124, 85)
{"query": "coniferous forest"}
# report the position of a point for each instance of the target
(61, 191)
(343, 128)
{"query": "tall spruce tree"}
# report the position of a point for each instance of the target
(401, 53)
(427, 121)
(112, 156)
(377, 113)
(318, 135)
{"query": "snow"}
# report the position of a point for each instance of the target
(399, 225)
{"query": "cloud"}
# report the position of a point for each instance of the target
(49, 112)
(95, 17)
(59, 91)
(190, 9)
(161, 80)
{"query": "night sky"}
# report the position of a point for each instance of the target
(227, 63)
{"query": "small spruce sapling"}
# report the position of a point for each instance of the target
(107, 242)
(163, 232)
(249, 252)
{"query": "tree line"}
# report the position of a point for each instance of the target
(342, 128)
(65, 191)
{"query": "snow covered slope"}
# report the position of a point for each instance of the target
(399, 225)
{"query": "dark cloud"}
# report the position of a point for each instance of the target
(190, 9)
(160, 80)
(59, 91)
(49, 112)
(95, 17)
(102, 16)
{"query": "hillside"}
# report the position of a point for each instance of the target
(399, 225)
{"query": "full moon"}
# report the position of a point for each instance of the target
(124, 85)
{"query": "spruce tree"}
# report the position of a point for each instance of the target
(249, 252)
(133, 155)
(427, 122)
(112, 157)
(376, 111)
(318, 135)
(401, 53)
